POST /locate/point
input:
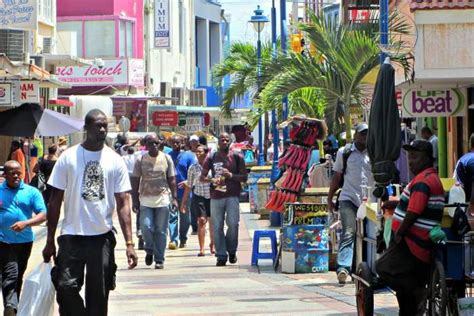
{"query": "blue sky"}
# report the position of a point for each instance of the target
(242, 10)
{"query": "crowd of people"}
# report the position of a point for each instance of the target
(176, 184)
(168, 180)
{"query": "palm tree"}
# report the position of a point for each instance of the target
(241, 66)
(345, 55)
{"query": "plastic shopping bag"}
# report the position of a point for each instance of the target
(37, 296)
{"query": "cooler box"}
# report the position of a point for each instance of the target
(305, 249)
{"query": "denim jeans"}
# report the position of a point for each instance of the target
(225, 209)
(345, 252)
(154, 224)
(182, 229)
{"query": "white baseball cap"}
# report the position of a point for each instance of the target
(194, 137)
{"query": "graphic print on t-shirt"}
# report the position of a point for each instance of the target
(93, 182)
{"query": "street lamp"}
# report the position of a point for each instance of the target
(258, 22)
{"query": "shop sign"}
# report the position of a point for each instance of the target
(29, 91)
(5, 94)
(433, 102)
(182, 119)
(305, 214)
(162, 24)
(19, 14)
(193, 123)
(118, 72)
(165, 118)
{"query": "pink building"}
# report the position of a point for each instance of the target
(104, 28)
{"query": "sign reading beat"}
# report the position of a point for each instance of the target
(434, 102)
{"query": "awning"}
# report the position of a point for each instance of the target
(52, 82)
(184, 108)
(65, 60)
(60, 102)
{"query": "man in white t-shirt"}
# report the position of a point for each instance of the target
(92, 178)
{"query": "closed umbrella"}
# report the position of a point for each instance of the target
(383, 140)
(31, 119)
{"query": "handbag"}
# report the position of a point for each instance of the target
(39, 180)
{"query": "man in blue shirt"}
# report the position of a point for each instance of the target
(464, 173)
(182, 161)
(18, 202)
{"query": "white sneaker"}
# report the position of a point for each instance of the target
(342, 276)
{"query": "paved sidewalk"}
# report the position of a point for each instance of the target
(191, 285)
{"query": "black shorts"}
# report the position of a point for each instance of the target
(200, 206)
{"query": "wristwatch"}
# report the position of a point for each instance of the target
(130, 243)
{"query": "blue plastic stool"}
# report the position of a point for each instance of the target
(256, 242)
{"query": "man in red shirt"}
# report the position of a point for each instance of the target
(227, 173)
(405, 265)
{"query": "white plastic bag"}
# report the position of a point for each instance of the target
(37, 296)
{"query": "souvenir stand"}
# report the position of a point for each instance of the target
(304, 243)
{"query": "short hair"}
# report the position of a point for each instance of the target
(471, 140)
(10, 164)
(203, 140)
(92, 115)
(147, 138)
(16, 143)
(205, 148)
(130, 150)
(327, 142)
(426, 130)
(52, 149)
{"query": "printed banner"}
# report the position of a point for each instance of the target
(162, 24)
(19, 14)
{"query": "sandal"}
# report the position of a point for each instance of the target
(211, 247)
(201, 254)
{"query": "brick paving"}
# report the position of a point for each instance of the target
(191, 285)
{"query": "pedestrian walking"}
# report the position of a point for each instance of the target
(405, 265)
(427, 134)
(45, 166)
(93, 179)
(154, 189)
(200, 200)
(352, 166)
(194, 142)
(16, 153)
(18, 203)
(182, 161)
(464, 174)
(228, 172)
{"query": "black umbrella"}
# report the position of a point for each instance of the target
(31, 119)
(383, 140)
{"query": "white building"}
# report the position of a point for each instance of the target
(182, 43)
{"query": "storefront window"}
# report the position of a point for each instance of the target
(99, 39)
(122, 38)
(129, 39)
(73, 27)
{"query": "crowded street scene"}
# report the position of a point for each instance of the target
(237, 157)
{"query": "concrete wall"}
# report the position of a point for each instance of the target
(445, 47)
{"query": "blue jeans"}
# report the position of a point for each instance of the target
(225, 209)
(184, 223)
(154, 224)
(345, 252)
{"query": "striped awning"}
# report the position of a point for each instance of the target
(441, 4)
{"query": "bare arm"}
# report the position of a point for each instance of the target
(35, 220)
(54, 210)
(135, 181)
(172, 184)
(184, 201)
(336, 179)
(125, 219)
(408, 221)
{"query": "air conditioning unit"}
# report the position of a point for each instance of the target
(165, 90)
(47, 45)
(180, 94)
(37, 61)
(12, 44)
(197, 97)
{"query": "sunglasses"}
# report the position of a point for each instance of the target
(153, 143)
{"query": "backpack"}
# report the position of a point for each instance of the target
(345, 156)
(249, 156)
(460, 224)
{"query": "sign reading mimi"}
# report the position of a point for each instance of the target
(434, 102)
